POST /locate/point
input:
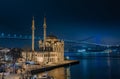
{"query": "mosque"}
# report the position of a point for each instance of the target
(51, 49)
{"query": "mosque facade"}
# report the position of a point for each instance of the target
(51, 49)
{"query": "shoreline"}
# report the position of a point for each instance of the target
(53, 66)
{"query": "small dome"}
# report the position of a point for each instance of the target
(51, 37)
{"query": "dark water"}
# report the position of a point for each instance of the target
(96, 68)
(89, 68)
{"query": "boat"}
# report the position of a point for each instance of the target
(46, 76)
(43, 76)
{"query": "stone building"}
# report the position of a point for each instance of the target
(51, 49)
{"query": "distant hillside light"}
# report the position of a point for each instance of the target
(8, 35)
(14, 35)
(81, 50)
(2, 34)
(20, 36)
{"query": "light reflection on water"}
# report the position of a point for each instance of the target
(89, 68)
(97, 68)
(58, 73)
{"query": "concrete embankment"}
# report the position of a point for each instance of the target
(52, 66)
(34, 69)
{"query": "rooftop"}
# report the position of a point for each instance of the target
(51, 37)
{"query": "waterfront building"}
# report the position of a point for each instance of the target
(51, 49)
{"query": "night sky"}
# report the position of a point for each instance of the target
(68, 19)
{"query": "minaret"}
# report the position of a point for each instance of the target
(44, 26)
(33, 29)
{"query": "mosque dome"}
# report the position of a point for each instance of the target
(51, 37)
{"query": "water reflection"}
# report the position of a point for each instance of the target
(68, 74)
(58, 73)
(85, 67)
(89, 68)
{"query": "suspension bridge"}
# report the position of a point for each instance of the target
(29, 37)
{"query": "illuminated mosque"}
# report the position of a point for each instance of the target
(51, 49)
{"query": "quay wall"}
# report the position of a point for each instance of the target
(50, 67)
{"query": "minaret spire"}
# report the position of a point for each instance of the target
(33, 29)
(44, 26)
